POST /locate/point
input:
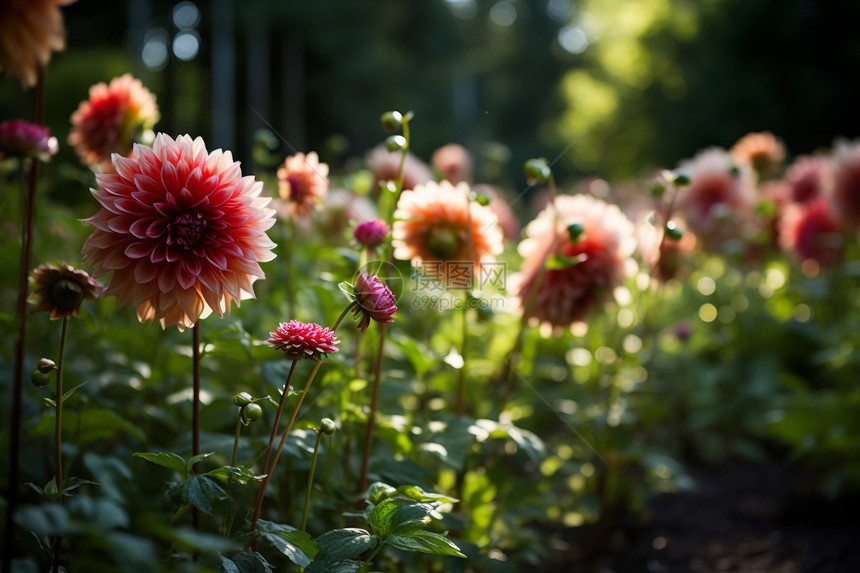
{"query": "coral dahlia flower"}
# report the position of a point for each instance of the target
(718, 202)
(301, 181)
(30, 30)
(180, 230)
(383, 164)
(303, 340)
(763, 152)
(450, 236)
(579, 273)
(846, 176)
(112, 120)
(375, 301)
(60, 289)
(811, 230)
(453, 163)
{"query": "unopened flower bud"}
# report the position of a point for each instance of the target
(673, 231)
(327, 426)
(46, 365)
(251, 413)
(391, 120)
(242, 399)
(575, 231)
(677, 179)
(537, 171)
(39, 379)
(395, 143)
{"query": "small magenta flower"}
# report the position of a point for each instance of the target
(60, 289)
(303, 340)
(374, 301)
(19, 138)
(370, 234)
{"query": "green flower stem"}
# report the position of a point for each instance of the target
(236, 439)
(58, 437)
(271, 470)
(460, 408)
(283, 401)
(311, 479)
(371, 417)
(289, 235)
(15, 418)
(343, 314)
(195, 409)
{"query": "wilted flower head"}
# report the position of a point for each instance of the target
(301, 181)
(811, 230)
(19, 138)
(180, 230)
(30, 30)
(438, 227)
(60, 289)
(584, 263)
(763, 152)
(303, 340)
(718, 202)
(383, 164)
(112, 120)
(846, 176)
(453, 163)
(370, 234)
(375, 301)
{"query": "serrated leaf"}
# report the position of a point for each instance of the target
(426, 542)
(297, 545)
(379, 491)
(409, 518)
(234, 474)
(199, 491)
(194, 460)
(167, 460)
(340, 544)
(380, 516)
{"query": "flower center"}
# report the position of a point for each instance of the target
(443, 242)
(186, 229)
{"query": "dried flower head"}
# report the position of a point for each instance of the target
(438, 227)
(585, 247)
(180, 230)
(453, 163)
(30, 30)
(303, 340)
(60, 289)
(19, 138)
(374, 301)
(112, 120)
(370, 234)
(302, 180)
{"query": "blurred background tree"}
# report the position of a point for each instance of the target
(611, 88)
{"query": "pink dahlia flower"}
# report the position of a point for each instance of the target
(579, 274)
(375, 301)
(19, 138)
(438, 227)
(846, 176)
(30, 30)
(453, 163)
(763, 152)
(718, 202)
(303, 340)
(810, 177)
(112, 120)
(60, 289)
(383, 164)
(370, 234)
(811, 230)
(180, 230)
(302, 180)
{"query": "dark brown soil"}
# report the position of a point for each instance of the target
(746, 518)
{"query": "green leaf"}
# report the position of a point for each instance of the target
(409, 518)
(189, 465)
(45, 519)
(561, 262)
(67, 394)
(73, 483)
(345, 566)
(166, 459)
(199, 491)
(246, 562)
(233, 474)
(415, 493)
(426, 542)
(348, 290)
(294, 543)
(528, 442)
(380, 516)
(341, 544)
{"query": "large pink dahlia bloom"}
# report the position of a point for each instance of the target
(596, 262)
(180, 230)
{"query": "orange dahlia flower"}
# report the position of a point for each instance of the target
(450, 236)
(30, 30)
(302, 180)
(180, 231)
(112, 120)
(583, 266)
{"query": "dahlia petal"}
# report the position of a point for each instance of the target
(145, 272)
(138, 250)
